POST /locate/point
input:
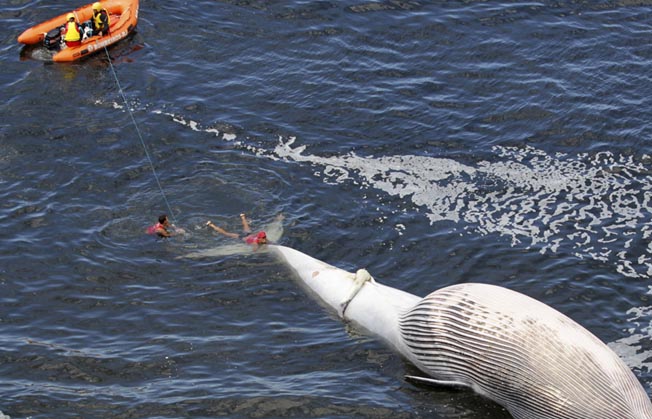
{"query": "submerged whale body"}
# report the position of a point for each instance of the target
(510, 348)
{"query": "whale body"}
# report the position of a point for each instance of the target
(506, 346)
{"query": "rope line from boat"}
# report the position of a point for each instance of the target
(140, 136)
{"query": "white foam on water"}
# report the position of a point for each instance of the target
(196, 126)
(634, 348)
(596, 206)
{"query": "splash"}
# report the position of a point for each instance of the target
(274, 230)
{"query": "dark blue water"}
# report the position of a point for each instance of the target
(431, 143)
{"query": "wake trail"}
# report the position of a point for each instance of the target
(594, 206)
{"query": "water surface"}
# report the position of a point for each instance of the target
(433, 144)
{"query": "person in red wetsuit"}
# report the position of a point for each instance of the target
(255, 240)
(260, 238)
(164, 228)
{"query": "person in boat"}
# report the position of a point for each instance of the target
(72, 32)
(100, 20)
(164, 228)
(255, 240)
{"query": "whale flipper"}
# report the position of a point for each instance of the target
(432, 381)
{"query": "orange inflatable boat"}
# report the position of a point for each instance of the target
(123, 17)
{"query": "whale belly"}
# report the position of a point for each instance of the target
(521, 353)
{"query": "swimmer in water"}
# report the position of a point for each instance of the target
(255, 240)
(164, 228)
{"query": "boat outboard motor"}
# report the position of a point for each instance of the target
(52, 39)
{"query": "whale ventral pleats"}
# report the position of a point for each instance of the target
(521, 353)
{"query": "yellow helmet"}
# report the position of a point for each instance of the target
(97, 6)
(70, 16)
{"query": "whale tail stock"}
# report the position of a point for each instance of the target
(510, 348)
